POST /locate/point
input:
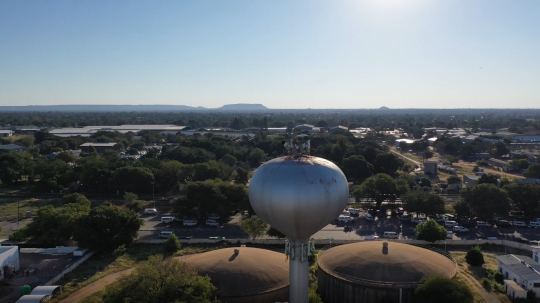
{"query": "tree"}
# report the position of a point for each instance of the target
(452, 159)
(462, 209)
(485, 200)
(475, 257)
(254, 227)
(425, 182)
(111, 228)
(441, 289)
(210, 196)
(133, 179)
(256, 156)
(13, 166)
(66, 157)
(229, 160)
(525, 197)
(172, 244)
(158, 280)
(77, 199)
(428, 154)
(489, 179)
(387, 163)
(430, 231)
(499, 150)
(274, 233)
(241, 176)
(533, 171)
(357, 168)
(453, 180)
(380, 187)
(519, 164)
(423, 202)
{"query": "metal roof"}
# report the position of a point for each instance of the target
(522, 266)
(45, 290)
(34, 299)
(99, 144)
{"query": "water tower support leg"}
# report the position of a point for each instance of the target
(299, 272)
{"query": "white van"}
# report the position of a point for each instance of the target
(519, 223)
(190, 222)
(534, 224)
(450, 223)
(449, 234)
(343, 218)
(165, 234)
(150, 211)
(167, 219)
(390, 235)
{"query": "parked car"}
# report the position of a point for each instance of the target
(449, 223)
(369, 217)
(417, 220)
(405, 217)
(503, 223)
(212, 223)
(534, 224)
(460, 229)
(470, 238)
(371, 238)
(190, 222)
(216, 238)
(185, 237)
(449, 234)
(165, 234)
(344, 218)
(483, 224)
(150, 211)
(167, 220)
(353, 211)
(519, 224)
(213, 217)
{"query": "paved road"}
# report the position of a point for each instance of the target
(9, 227)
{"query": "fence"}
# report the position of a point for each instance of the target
(69, 268)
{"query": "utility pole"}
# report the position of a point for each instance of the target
(153, 196)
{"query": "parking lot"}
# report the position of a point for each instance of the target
(360, 228)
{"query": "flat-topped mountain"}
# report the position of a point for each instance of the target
(243, 106)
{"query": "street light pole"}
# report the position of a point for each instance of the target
(153, 196)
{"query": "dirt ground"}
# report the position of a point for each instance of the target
(48, 266)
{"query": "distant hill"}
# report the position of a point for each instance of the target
(101, 108)
(242, 107)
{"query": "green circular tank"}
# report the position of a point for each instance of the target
(25, 290)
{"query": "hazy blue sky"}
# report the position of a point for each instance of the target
(283, 54)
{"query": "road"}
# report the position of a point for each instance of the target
(406, 158)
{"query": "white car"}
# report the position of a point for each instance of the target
(368, 217)
(213, 217)
(449, 234)
(150, 211)
(461, 229)
(371, 238)
(482, 224)
(212, 223)
(353, 211)
(343, 218)
(190, 222)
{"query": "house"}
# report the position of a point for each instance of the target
(100, 147)
(303, 127)
(529, 180)
(408, 142)
(26, 129)
(12, 147)
(9, 260)
(430, 168)
(470, 180)
(521, 273)
(482, 156)
(498, 163)
(6, 133)
(338, 129)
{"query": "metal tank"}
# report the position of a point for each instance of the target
(298, 195)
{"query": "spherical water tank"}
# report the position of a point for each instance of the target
(298, 195)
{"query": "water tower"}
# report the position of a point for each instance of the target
(298, 195)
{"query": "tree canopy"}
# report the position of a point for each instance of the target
(380, 187)
(254, 227)
(442, 290)
(430, 231)
(423, 202)
(485, 200)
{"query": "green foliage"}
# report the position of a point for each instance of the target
(489, 179)
(20, 235)
(13, 166)
(486, 283)
(210, 196)
(229, 160)
(387, 163)
(380, 187)
(533, 171)
(241, 176)
(423, 202)
(314, 297)
(425, 182)
(525, 196)
(111, 227)
(357, 168)
(427, 154)
(430, 231)
(132, 179)
(256, 156)
(485, 200)
(158, 280)
(254, 227)
(442, 290)
(475, 257)
(172, 244)
(77, 199)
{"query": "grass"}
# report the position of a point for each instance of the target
(8, 206)
(477, 298)
(102, 265)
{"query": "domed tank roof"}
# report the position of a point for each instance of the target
(298, 195)
(401, 263)
(251, 271)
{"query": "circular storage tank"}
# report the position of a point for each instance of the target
(245, 274)
(369, 272)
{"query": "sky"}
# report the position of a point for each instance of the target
(280, 53)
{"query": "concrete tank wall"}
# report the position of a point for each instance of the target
(335, 290)
(279, 295)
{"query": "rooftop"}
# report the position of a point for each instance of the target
(98, 144)
(523, 266)
(10, 146)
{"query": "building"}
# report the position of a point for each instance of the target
(303, 127)
(88, 131)
(408, 142)
(5, 133)
(498, 163)
(12, 147)
(529, 180)
(338, 129)
(482, 156)
(430, 168)
(521, 273)
(100, 147)
(245, 274)
(373, 271)
(26, 129)
(470, 180)
(9, 260)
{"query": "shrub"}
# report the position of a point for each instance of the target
(441, 289)
(173, 244)
(486, 283)
(314, 297)
(136, 206)
(475, 257)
